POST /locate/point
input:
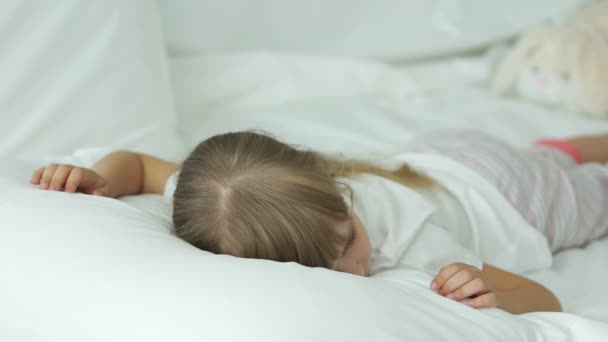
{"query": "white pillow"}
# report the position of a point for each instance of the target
(83, 73)
(86, 268)
(213, 84)
(388, 29)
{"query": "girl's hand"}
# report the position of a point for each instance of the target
(70, 179)
(459, 281)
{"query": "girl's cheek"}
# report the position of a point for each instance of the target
(353, 267)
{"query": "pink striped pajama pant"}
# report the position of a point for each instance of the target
(566, 201)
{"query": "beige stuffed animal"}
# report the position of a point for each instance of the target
(564, 65)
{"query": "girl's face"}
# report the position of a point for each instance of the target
(355, 254)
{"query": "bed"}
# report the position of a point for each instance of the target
(84, 268)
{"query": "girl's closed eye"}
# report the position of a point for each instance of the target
(353, 236)
(351, 240)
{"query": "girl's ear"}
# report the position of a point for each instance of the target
(509, 69)
(591, 73)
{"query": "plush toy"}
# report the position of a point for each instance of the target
(563, 65)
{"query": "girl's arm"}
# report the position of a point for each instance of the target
(518, 294)
(494, 287)
(128, 173)
(116, 174)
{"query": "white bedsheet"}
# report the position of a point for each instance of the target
(362, 108)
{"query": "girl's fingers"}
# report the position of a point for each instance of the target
(59, 177)
(90, 181)
(100, 192)
(47, 175)
(35, 179)
(444, 274)
(69, 178)
(488, 300)
(457, 280)
(474, 287)
(74, 179)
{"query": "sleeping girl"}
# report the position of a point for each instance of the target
(462, 206)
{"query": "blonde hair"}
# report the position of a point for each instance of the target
(249, 195)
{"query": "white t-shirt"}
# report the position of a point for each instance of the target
(420, 229)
